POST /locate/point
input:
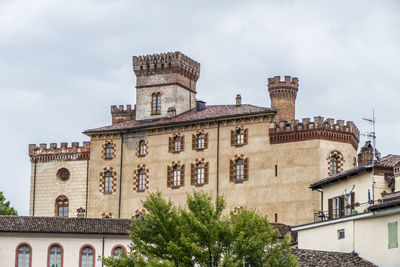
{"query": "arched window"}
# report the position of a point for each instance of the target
(176, 176)
(156, 103)
(117, 250)
(177, 143)
(239, 175)
(109, 154)
(108, 181)
(62, 206)
(23, 255)
(87, 257)
(142, 180)
(240, 137)
(55, 256)
(142, 148)
(200, 173)
(333, 170)
(200, 141)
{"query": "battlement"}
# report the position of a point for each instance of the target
(165, 63)
(53, 152)
(294, 131)
(121, 114)
(288, 83)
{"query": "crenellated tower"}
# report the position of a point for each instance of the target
(283, 97)
(164, 81)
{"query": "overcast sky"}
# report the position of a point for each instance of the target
(63, 63)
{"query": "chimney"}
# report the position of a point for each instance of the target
(171, 112)
(80, 213)
(366, 154)
(238, 100)
(200, 105)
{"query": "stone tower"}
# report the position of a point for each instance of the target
(283, 97)
(164, 81)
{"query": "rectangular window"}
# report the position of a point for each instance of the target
(336, 209)
(340, 234)
(276, 217)
(393, 234)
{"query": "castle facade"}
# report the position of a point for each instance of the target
(256, 157)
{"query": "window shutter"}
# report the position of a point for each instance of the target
(193, 174)
(206, 140)
(246, 136)
(232, 171)
(341, 206)
(233, 138)
(330, 208)
(392, 234)
(182, 143)
(182, 175)
(206, 173)
(169, 176)
(194, 142)
(171, 144)
(352, 200)
(246, 169)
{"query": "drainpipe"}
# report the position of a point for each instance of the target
(102, 252)
(218, 158)
(34, 188)
(87, 187)
(120, 176)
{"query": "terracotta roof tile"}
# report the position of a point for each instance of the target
(209, 113)
(27, 224)
(388, 161)
(316, 258)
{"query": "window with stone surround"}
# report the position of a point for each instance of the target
(141, 181)
(23, 257)
(61, 206)
(55, 255)
(335, 163)
(176, 143)
(200, 141)
(199, 173)
(239, 136)
(156, 103)
(109, 150)
(87, 256)
(176, 175)
(117, 251)
(108, 181)
(239, 169)
(63, 174)
(142, 148)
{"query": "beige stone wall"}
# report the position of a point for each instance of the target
(287, 195)
(49, 187)
(171, 96)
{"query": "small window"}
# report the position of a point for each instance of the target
(87, 257)
(340, 234)
(62, 206)
(334, 165)
(109, 151)
(155, 104)
(177, 144)
(117, 252)
(55, 256)
(108, 181)
(240, 137)
(23, 256)
(276, 170)
(200, 141)
(142, 148)
(63, 174)
(239, 176)
(393, 234)
(142, 180)
(177, 176)
(200, 173)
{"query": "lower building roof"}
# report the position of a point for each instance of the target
(308, 257)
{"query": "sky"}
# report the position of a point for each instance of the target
(63, 63)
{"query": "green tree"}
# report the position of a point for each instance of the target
(5, 208)
(200, 234)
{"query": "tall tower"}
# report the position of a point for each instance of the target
(283, 97)
(164, 81)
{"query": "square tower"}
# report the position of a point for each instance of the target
(164, 81)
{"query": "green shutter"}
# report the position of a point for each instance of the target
(393, 233)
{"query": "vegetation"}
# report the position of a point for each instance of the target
(5, 208)
(200, 234)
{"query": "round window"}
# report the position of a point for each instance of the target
(63, 174)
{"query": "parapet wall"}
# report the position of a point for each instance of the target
(120, 114)
(53, 152)
(289, 82)
(295, 131)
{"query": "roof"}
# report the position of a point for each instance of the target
(386, 204)
(210, 112)
(340, 176)
(28, 224)
(283, 229)
(388, 161)
(307, 257)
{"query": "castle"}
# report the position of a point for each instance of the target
(256, 157)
